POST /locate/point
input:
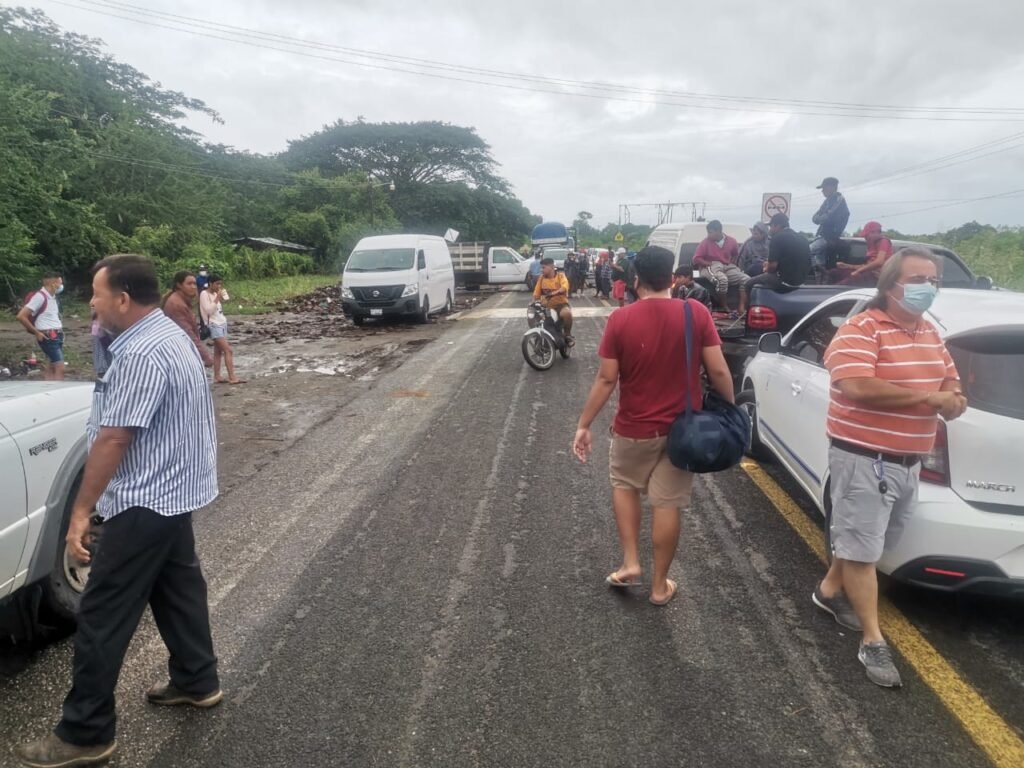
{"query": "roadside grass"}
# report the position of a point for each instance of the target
(256, 297)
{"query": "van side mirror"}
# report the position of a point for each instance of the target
(421, 260)
(770, 343)
(983, 283)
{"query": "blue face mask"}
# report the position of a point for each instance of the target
(60, 290)
(918, 297)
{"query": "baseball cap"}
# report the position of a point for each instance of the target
(620, 251)
(828, 181)
(871, 226)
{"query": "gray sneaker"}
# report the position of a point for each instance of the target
(839, 606)
(877, 660)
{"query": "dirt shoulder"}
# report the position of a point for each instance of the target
(300, 365)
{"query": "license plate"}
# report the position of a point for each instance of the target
(376, 312)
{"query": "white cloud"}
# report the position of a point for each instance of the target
(564, 153)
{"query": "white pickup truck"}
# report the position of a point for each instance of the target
(479, 264)
(43, 447)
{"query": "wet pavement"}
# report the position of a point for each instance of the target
(407, 570)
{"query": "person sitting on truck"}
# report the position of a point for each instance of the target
(684, 287)
(716, 259)
(754, 252)
(866, 274)
(789, 259)
(552, 290)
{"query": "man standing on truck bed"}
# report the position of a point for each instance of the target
(789, 259)
(831, 219)
(716, 259)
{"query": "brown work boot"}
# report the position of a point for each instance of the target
(169, 696)
(54, 752)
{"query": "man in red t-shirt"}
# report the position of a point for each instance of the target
(879, 249)
(643, 352)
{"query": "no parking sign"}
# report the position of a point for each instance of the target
(775, 202)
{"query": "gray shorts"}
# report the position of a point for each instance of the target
(864, 522)
(218, 331)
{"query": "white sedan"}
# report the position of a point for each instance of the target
(967, 527)
(42, 454)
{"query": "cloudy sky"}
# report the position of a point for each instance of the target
(567, 144)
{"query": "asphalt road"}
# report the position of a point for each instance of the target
(419, 582)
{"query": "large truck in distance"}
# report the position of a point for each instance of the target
(480, 263)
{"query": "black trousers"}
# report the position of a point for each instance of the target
(141, 558)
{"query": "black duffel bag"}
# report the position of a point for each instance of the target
(711, 439)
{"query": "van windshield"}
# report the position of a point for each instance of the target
(381, 260)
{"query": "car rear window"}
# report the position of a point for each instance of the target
(991, 368)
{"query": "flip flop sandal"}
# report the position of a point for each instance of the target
(672, 589)
(613, 580)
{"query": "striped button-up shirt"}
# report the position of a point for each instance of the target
(156, 385)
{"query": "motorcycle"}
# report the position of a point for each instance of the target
(544, 337)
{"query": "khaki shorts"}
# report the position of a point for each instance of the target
(864, 522)
(643, 465)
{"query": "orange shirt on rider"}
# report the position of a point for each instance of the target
(551, 284)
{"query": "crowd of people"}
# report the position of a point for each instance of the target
(153, 451)
(40, 315)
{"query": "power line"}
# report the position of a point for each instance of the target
(259, 40)
(893, 215)
(923, 167)
(504, 73)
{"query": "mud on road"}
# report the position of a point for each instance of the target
(301, 364)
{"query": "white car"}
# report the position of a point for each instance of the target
(967, 527)
(42, 453)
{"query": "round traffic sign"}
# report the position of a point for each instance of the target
(776, 204)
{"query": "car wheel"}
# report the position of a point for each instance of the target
(747, 400)
(358, 320)
(68, 577)
(424, 315)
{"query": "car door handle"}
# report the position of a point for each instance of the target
(796, 388)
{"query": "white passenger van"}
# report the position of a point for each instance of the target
(407, 275)
(683, 239)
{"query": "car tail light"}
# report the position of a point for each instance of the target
(935, 465)
(762, 318)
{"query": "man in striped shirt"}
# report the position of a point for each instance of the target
(892, 379)
(152, 462)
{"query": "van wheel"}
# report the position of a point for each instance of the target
(757, 450)
(68, 577)
(424, 316)
(358, 320)
(449, 305)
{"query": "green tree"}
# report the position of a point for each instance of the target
(405, 153)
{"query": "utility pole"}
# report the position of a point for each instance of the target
(665, 211)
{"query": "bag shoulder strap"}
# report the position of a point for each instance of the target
(688, 340)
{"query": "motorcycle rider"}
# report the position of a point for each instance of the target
(552, 291)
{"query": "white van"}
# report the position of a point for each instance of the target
(683, 239)
(388, 275)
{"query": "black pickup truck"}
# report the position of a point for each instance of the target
(775, 311)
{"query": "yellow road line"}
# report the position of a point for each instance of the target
(990, 732)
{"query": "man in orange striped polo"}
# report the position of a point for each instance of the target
(892, 379)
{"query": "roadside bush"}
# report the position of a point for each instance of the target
(237, 263)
